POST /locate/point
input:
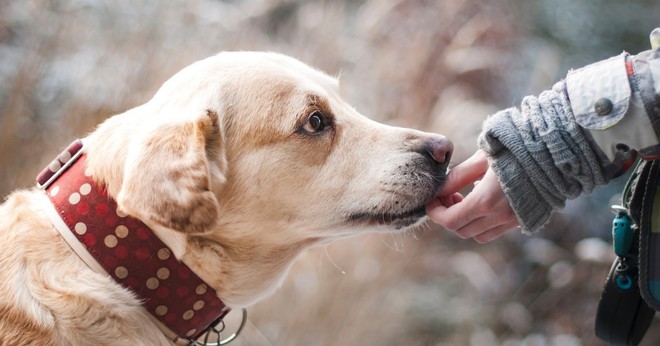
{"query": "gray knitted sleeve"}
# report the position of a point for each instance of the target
(541, 156)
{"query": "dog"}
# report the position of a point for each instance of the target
(237, 164)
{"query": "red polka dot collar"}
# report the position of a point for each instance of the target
(128, 250)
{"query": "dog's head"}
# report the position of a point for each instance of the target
(261, 146)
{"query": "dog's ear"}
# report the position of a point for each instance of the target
(169, 179)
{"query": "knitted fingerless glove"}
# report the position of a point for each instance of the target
(541, 156)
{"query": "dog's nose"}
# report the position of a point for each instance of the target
(440, 149)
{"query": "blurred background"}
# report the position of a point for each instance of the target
(440, 66)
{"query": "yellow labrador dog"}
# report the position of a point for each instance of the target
(238, 164)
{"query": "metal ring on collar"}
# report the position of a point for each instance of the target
(214, 330)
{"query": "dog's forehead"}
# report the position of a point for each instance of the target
(283, 65)
(263, 71)
(281, 78)
(245, 73)
(268, 93)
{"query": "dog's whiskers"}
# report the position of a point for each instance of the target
(327, 254)
(394, 247)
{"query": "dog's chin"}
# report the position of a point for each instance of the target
(400, 220)
(395, 221)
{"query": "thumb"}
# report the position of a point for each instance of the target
(465, 173)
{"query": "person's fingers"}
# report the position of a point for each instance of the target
(454, 217)
(465, 173)
(456, 198)
(444, 201)
(494, 233)
(480, 225)
(437, 202)
(452, 199)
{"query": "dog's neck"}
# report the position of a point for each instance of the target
(244, 270)
(240, 265)
(237, 262)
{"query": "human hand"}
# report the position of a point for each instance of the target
(484, 214)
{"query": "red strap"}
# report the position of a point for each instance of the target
(130, 252)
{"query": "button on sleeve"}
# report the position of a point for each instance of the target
(599, 93)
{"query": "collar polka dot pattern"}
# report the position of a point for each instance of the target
(128, 250)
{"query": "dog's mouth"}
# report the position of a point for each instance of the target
(404, 210)
(396, 220)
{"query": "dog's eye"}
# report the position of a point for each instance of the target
(315, 123)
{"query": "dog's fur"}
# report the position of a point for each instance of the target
(225, 165)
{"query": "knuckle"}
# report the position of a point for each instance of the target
(439, 218)
(462, 235)
(485, 238)
(451, 225)
(482, 240)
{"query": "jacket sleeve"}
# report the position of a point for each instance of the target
(616, 102)
(585, 130)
